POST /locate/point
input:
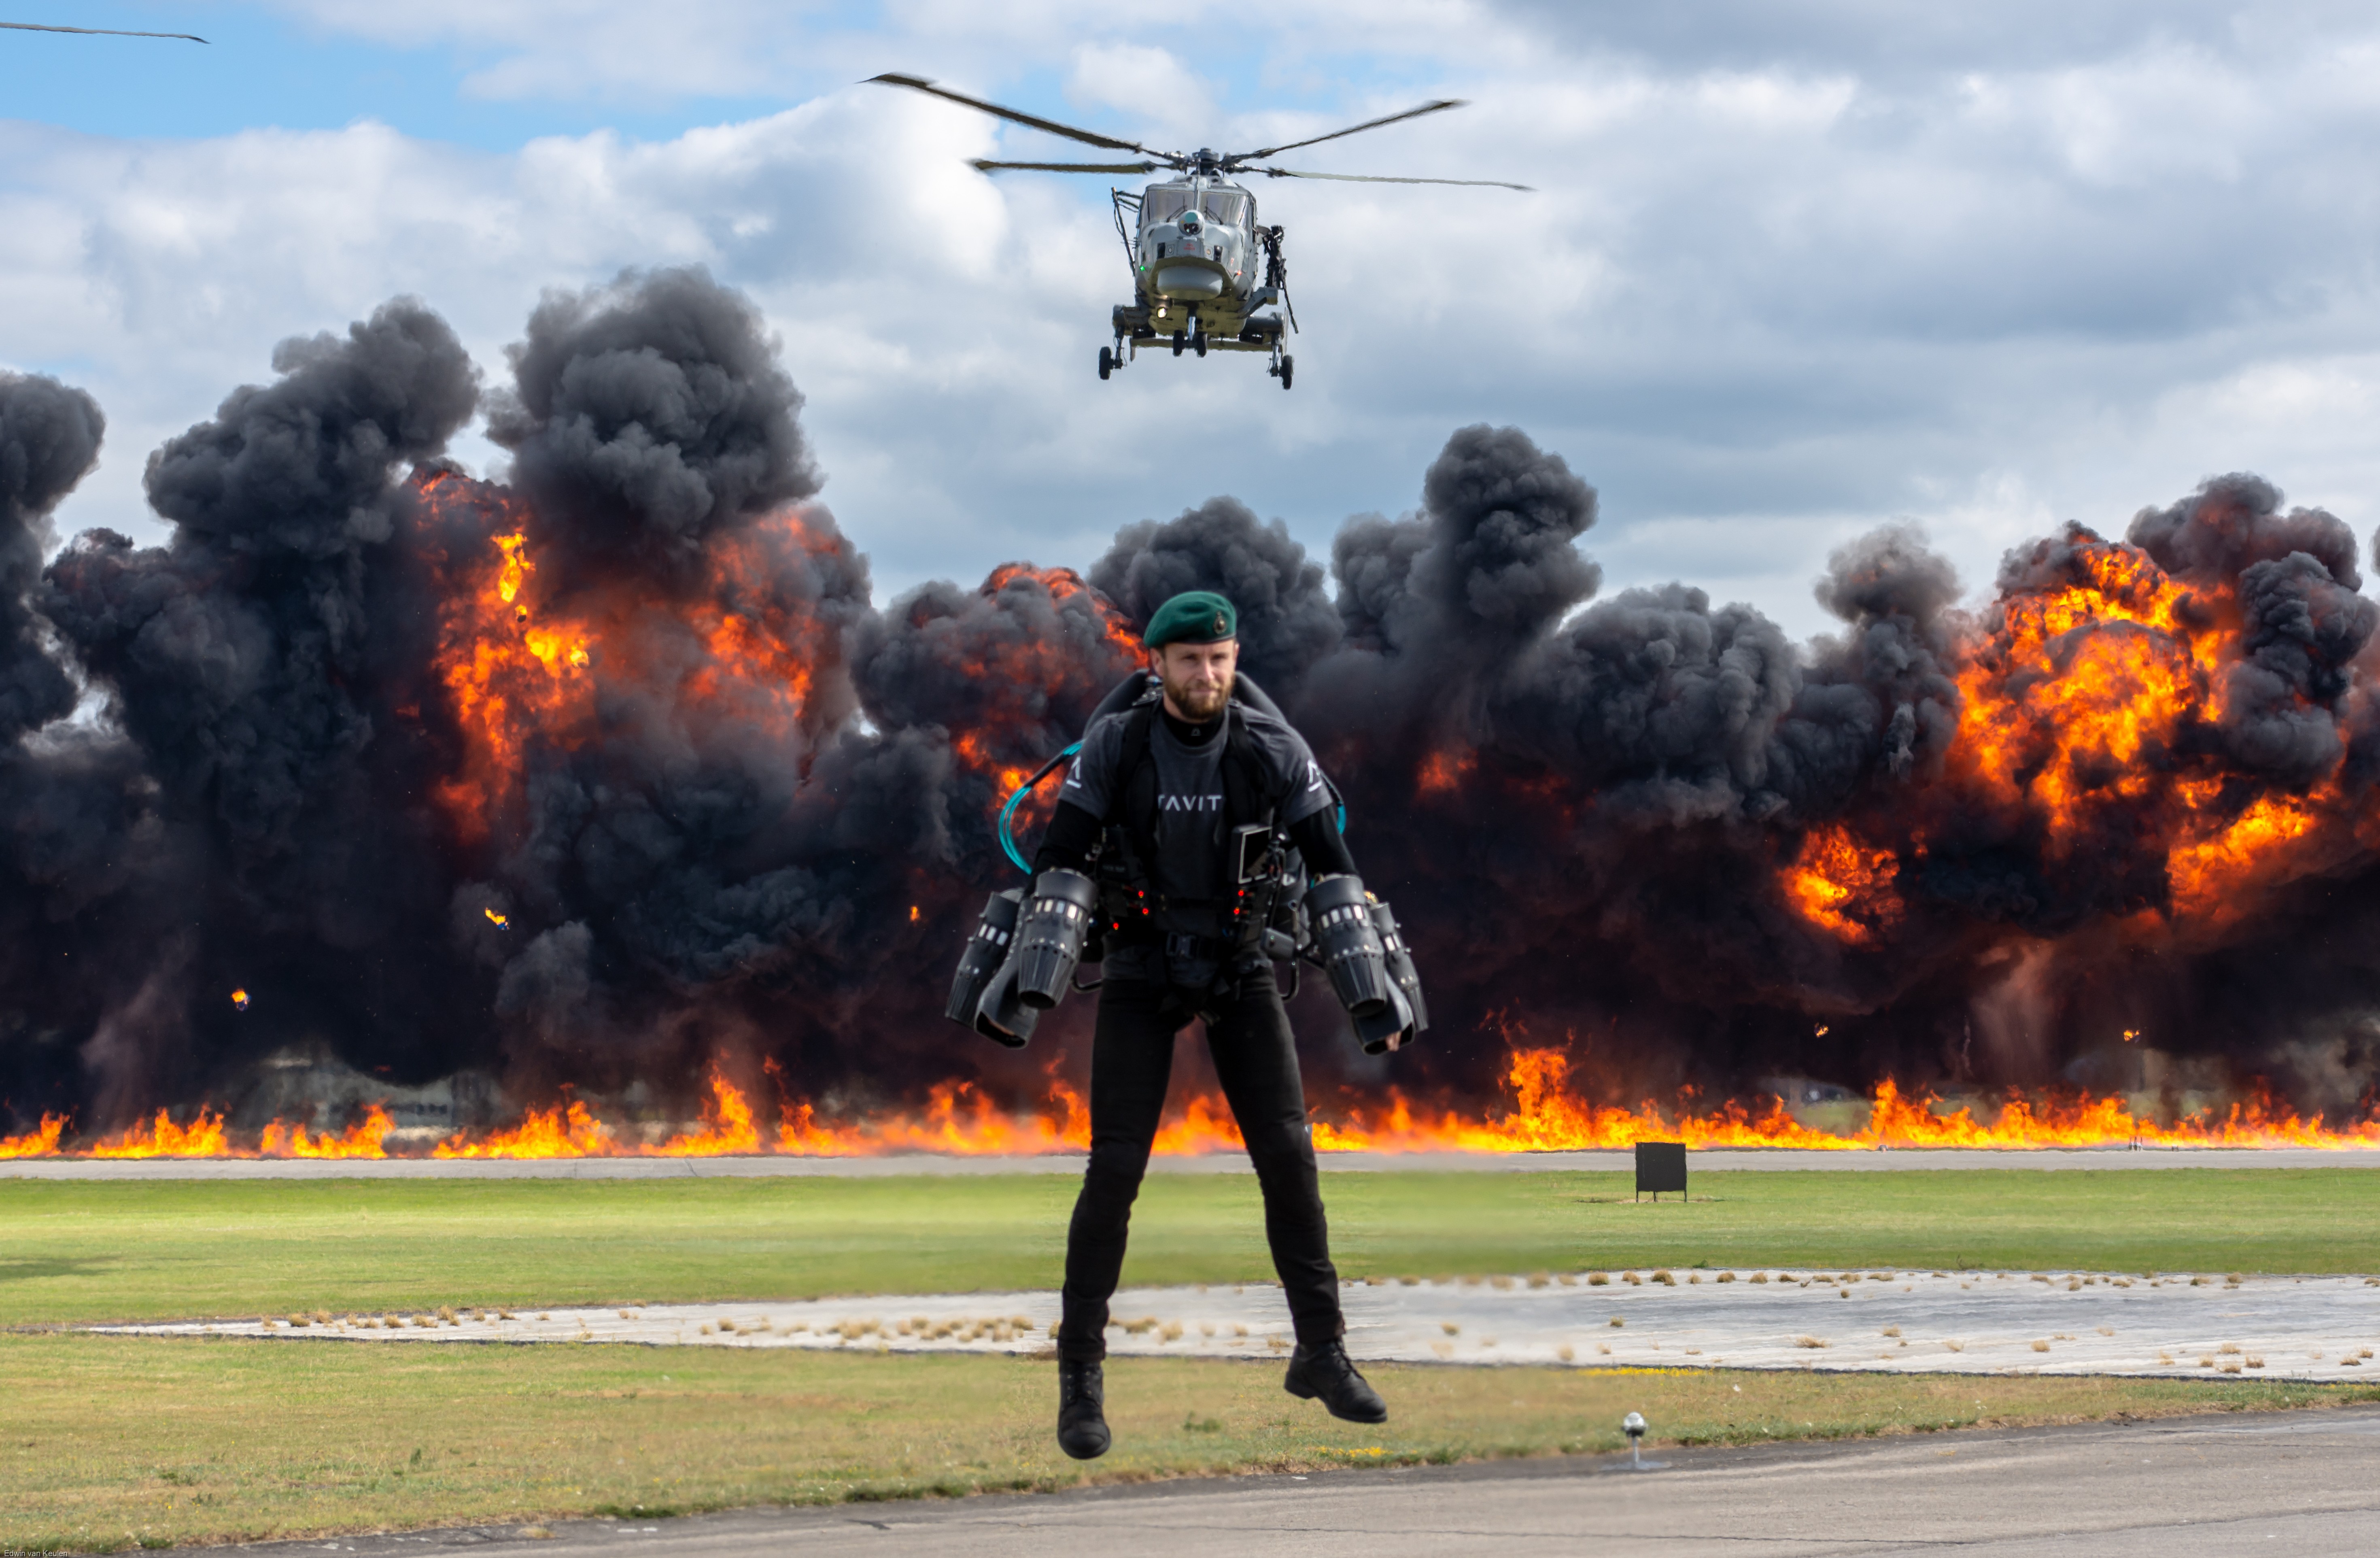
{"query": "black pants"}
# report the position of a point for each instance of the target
(1256, 1058)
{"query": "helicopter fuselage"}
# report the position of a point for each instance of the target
(1200, 271)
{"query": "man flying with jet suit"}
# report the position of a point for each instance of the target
(1173, 784)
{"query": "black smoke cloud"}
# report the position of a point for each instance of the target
(241, 759)
(645, 419)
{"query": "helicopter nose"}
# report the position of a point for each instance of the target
(1188, 283)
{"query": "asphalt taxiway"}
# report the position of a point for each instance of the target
(2299, 1483)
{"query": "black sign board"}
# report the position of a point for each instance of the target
(1661, 1165)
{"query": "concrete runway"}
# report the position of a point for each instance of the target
(1213, 1162)
(1909, 1322)
(2306, 1484)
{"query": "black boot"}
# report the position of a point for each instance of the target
(1081, 1415)
(1327, 1373)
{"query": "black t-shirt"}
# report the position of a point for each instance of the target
(1193, 865)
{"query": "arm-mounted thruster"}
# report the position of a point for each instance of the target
(1050, 929)
(984, 952)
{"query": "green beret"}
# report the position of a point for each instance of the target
(1195, 616)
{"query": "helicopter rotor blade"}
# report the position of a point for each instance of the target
(1376, 178)
(984, 165)
(1431, 107)
(95, 31)
(1089, 138)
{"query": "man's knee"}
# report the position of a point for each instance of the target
(1111, 1178)
(1283, 1145)
(1287, 1176)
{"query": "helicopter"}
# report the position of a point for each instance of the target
(1202, 265)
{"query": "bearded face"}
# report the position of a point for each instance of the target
(1197, 677)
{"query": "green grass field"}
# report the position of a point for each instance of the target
(112, 1443)
(106, 1441)
(83, 1251)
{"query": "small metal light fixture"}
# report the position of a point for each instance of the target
(1632, 1425)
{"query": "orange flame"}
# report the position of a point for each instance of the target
(1839, 883)
(1544, 1115)
(361, 1139)
(41, 1143)
(202, 1137)
(2079, 713)
(1548, 1117)
(2206, 873)
(522, 668)
(726, 1127)
(1442, 773)
(958, 1119)
(564, 1131)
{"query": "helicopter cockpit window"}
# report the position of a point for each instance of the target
(1227, 207)
(1162, 205)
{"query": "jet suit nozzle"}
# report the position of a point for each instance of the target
(1407, 980)
(1050, 929)
(1050, 938)
(1350, 943)
(984, 952)
(1371, 971)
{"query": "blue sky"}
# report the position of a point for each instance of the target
(1796, 267)
(292, 67)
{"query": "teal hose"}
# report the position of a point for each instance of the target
(1008, 811)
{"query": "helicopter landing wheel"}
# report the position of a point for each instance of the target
(1107, 364)
(1198, 342)
(1179, 342)
(1288, 367)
